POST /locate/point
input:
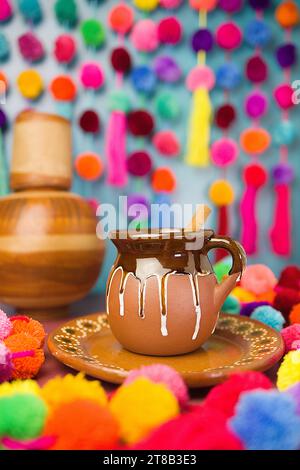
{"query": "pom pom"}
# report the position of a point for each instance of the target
(6, 366)
(205, 5)
(248, 308)
(18, 387)
(255, 175)
(146, 5)
(228, 76)
(283, 95)
(6, 11)
(256, 70)
(160, 373)
(286, 55)
(257, 33)
(283, 173)
(221, 193)
(200, 76)
(4, 48)
(63, 88)
(141, 406)
(290, 277)
(295, 314)
(167, 106)
(289, 371)
(89, 122)
(169, 30)
(255, 141)
(22, 416)
(119, 101)
(167, 143)
(120, 60)
(269, 316)
(140, 123)
(30, 327)
(89, 166)
(163, 180)
(65, 49)
(284, 133)
(31, 11)
(224, 152)
(258, 278)
(143, 208)
(30, 84)
(93, 33)
(243, 295)
(167, 69)
(224, 397)
(259, 4)
(98, 429)
(144, 36)
(170, 4)
(225, 116)
(285, 300)
(121, 18)
(3, 121)
(230, 6)
(5, 326)
(144, 80)
(256, 105)
(139, 163)
(66, 12)
(202, 40)
(222, 269)
(31, 47)
(25, 367)
(231, 305)
(274, 424)
(287, 14)
(229, 36)
(92, 76)
(290, 334)
(294, 392)
(70, 388)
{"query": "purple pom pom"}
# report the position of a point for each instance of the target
(286, 55)
(230, 6)
(202, 40)
(283, 174)
(3, 120)
(166, 69)
(256, 105)
(142, 202)
(248, 309)
(259, 4)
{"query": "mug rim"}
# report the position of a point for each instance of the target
(160, 234)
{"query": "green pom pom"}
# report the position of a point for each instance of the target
(93, 33)
(222, 269)
(22, 416)
(167, 106)
(66, 12)
(119, 101)
(231, 305)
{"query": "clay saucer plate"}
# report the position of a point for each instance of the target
(86, 344)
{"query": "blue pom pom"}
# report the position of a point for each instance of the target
(269, 316)
(4, 48)
(228, 76)
(144, 80)
(231, 305)
(267, 421)
(284, 133)
(257, 33)
(31, 10)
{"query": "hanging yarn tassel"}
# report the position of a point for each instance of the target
(280, 233)
(255, 177)
(116, 149)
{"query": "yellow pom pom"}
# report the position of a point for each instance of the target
(142, 406)
(243, 295)
(20, 386)
(221, 193)
(146, 5)
(69, 388)
(289, 371)
(30, 84)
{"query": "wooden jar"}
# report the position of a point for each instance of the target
(50, 255)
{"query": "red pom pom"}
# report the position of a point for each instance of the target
(290, 334)
(224, 397)
(225, 116)
(290, 277)
(139, 163)
(121, 60)
(140, 123)
(256, 70)
(65, 49)
(89, 122)
(169, 30)
(255, 175)
(285, 300)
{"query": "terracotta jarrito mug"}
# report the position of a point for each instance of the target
(163, 297)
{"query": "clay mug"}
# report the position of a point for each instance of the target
(163, 297)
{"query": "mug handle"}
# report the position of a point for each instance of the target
(237, 252)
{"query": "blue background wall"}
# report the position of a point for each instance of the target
(193, 183)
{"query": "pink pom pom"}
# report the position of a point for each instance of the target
(283, 95)
(5, 11)
(5, 326)
(258, 279)
(92, 76)
(224, 152)
(5, 363)
(229, 36)
(169, 30)
(144, 36)
(31, 47)
(167, 143)
(200, 76)
(291, 335)
(160, 373)
(65, 49)
(170, 4)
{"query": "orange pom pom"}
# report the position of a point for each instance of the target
(268, 296)
(295, 314)
(3, 78)
(287, 14)
(30, 327)
(163, 180)
(63, 88)
(25, 367)
(89, 166)
(255, 141)
(82, 425)
(205, 5)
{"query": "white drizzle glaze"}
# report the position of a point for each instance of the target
(197, 308)
(164, 317)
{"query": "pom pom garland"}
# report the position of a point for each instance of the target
(257, 33)
(289, 371)
(63, 88)
(92, 76)
(89, 122)
(202, 40)
(167, 106)
(121, 18)
(269, 316)
(256, 69)
(89, 166)
(121, 60)
(140, 123)
(287, 14)
(31, 47)
(163, 180)
(144, 80)
(255, 175)
(31, 11)
(224, 152)
(66, 12)
(286, 55)
(167, 69)
(221, 193)
(258, 278)
(139, 163)
(290, 334)
(169, 31)
(144, 36)
(228, 76)
(255, 141)
(30, 84)
(93, 33)
(225, 116)
(228, 36)
(6, 11)
(283, 95)
(65, 49)
(167, 143)
(256, 105)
